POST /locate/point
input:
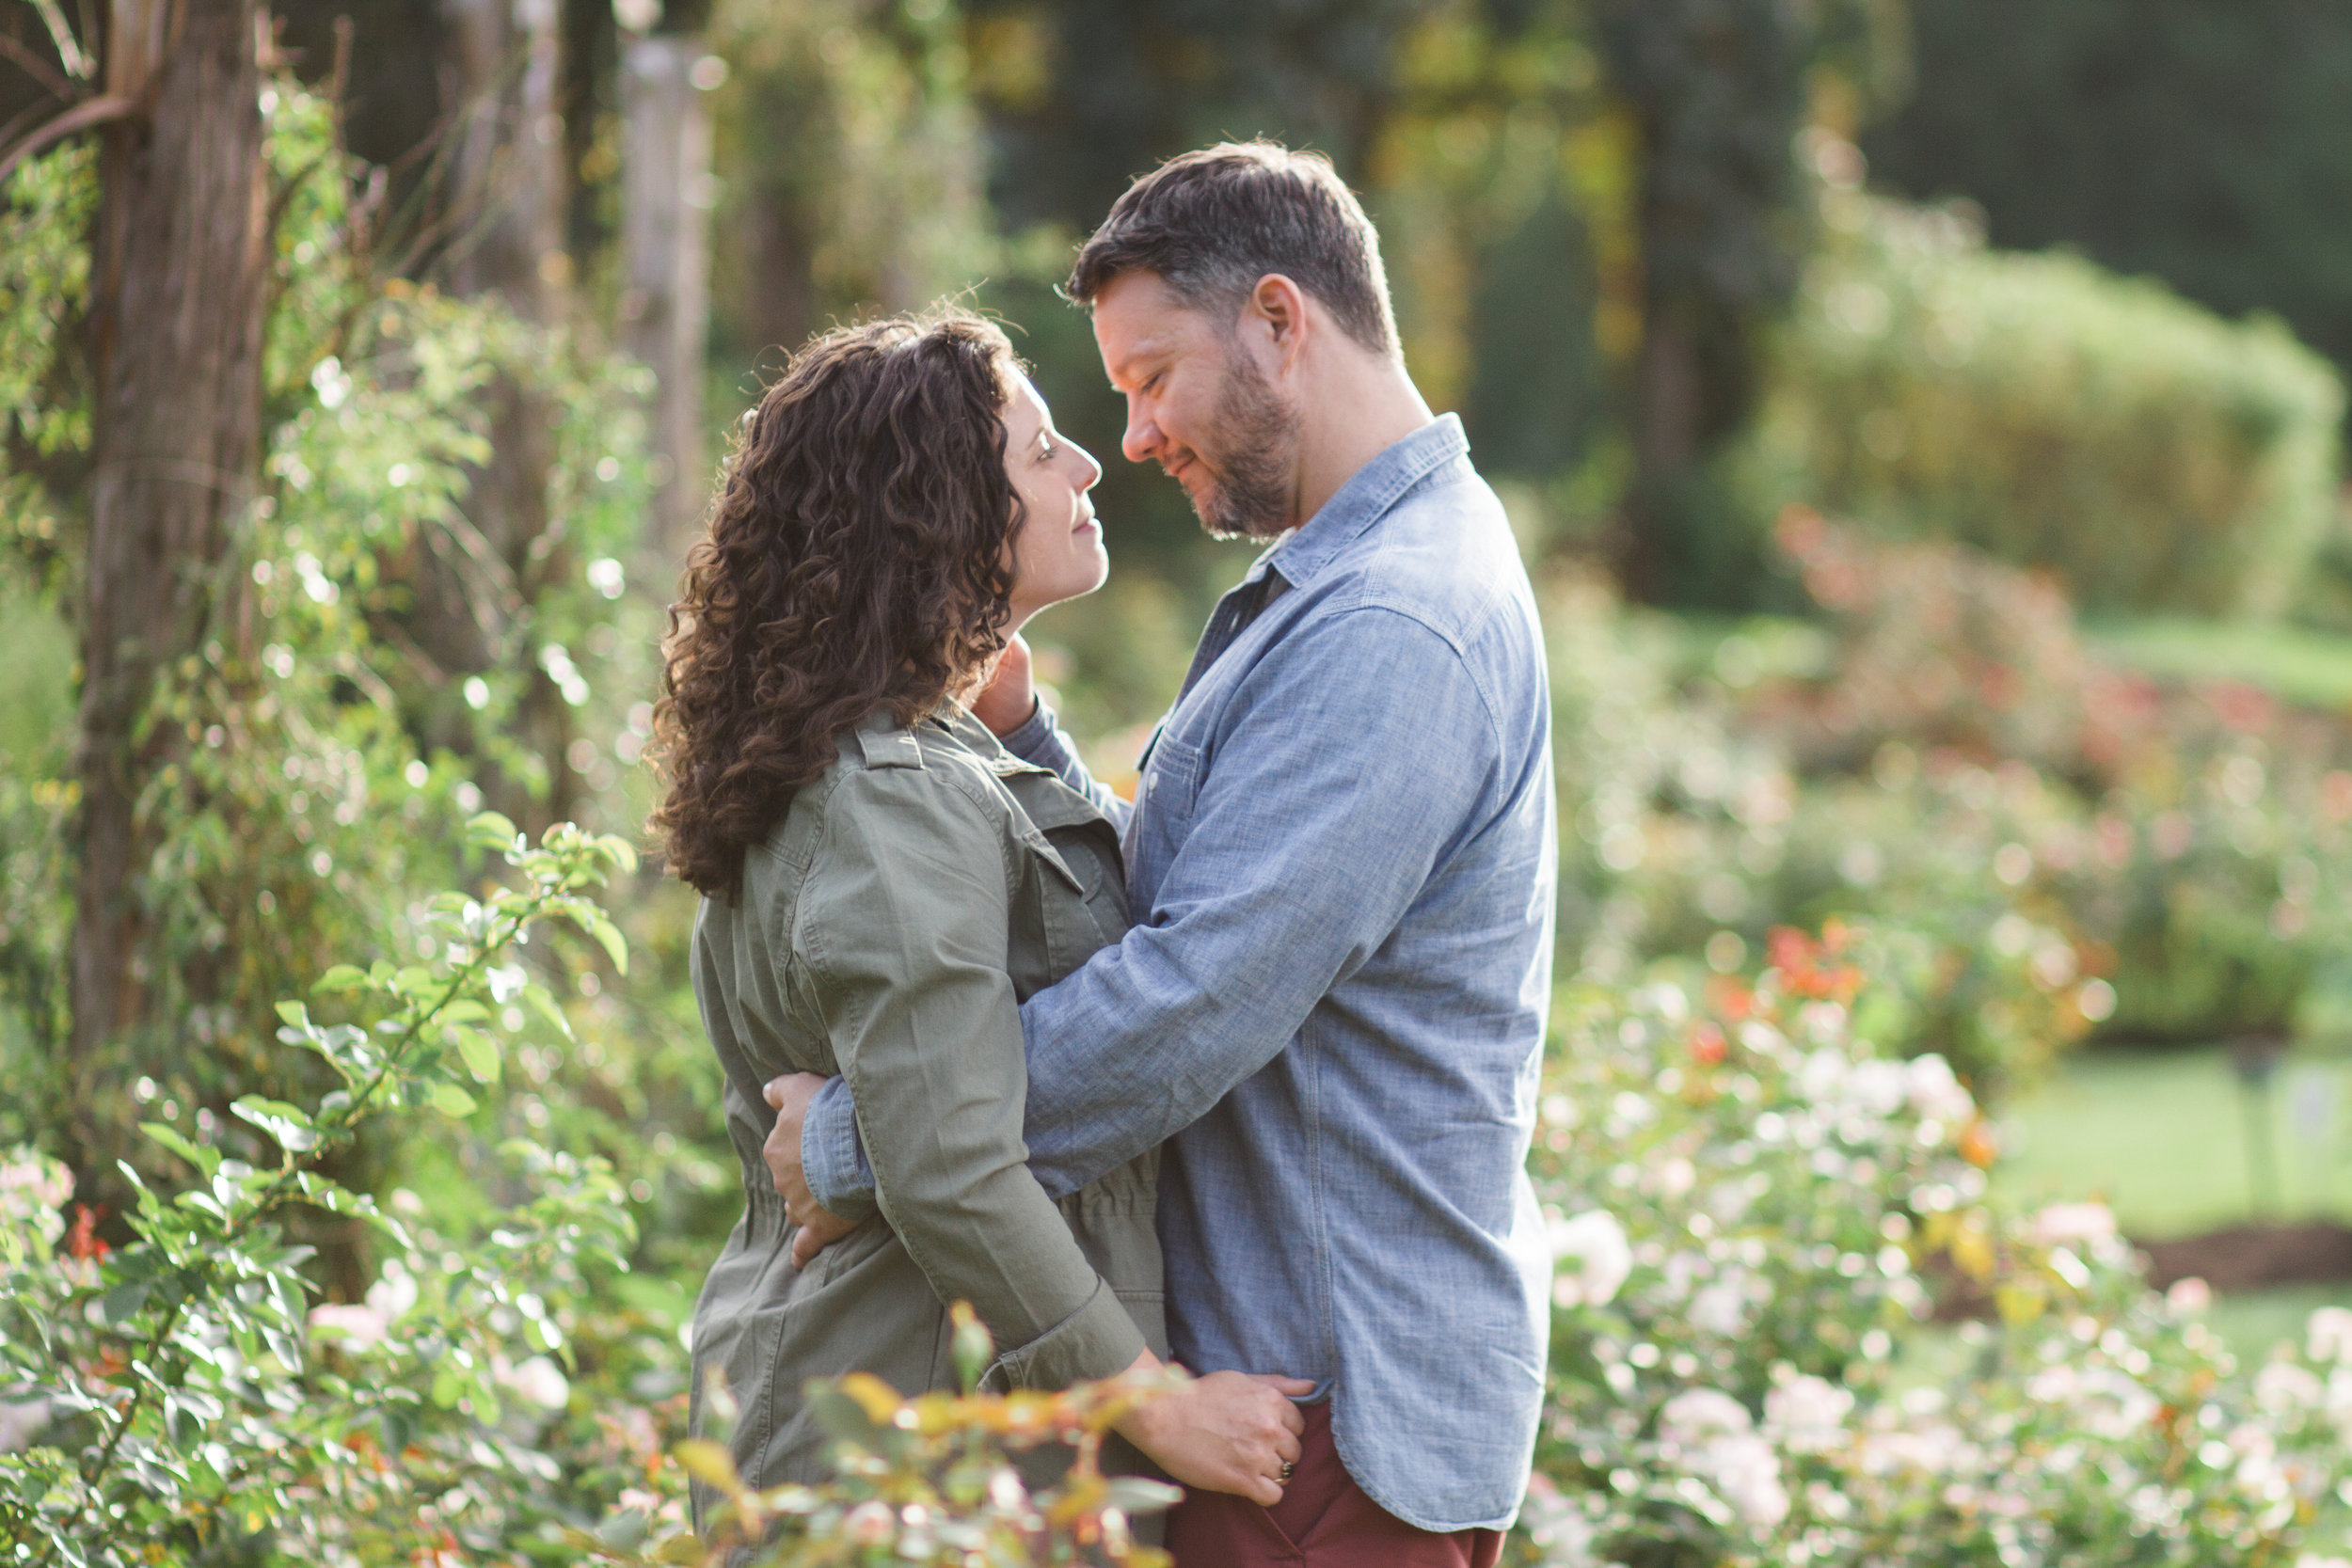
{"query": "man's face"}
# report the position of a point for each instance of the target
(1200, 405)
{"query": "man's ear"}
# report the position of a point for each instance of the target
(1279, 307)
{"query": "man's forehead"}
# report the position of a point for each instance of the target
(1139, 315)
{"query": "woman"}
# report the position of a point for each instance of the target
(882, 886)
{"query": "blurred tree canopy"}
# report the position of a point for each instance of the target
(2206, 141)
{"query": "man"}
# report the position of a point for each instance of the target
(1341, 860)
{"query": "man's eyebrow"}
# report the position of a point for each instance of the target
(1144, 352)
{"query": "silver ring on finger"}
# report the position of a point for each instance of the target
(1288, 1470)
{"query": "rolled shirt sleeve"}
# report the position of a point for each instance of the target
(904, 924)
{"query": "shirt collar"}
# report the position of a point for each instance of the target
(1364, 499)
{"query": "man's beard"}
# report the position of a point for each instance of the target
(1257, 457)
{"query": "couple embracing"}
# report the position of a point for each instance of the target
(1241, 1076)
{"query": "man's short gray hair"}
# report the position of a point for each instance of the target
(1212, 223)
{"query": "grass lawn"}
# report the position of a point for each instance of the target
(2309, 668)
(2163, 1137)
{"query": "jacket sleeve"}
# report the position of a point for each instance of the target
(1041, 741)
(904, 921)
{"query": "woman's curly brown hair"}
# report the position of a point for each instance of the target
(855, 560)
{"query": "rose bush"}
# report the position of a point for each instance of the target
(1757, 1210)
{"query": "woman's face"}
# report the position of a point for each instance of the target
(1057, 551)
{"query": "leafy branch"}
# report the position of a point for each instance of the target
(208, 1280)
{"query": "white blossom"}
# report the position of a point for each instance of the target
(2060, 1223)
(1807, 1415)
(538, 1380)
(1934, 1093)
(2329, 1335)
(1716, 1441)
(2284, 1389)
(1602, 1253)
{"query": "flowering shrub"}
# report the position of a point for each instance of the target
(1756, 1212)
(2037, 842)
(931, 1479)
(180, 1395)
(1690, 828)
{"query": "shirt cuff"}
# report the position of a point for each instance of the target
(1038, 733)
(1098, 1340)
(831, 1157)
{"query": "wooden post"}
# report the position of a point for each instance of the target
(177, 307)
(500, 78)
(664, 306)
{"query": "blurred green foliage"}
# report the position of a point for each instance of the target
(2152, 455)
(2207, 142)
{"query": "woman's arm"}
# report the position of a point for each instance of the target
(903, 921)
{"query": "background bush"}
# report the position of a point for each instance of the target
(2150, 453)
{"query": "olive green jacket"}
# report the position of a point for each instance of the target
(887, 931)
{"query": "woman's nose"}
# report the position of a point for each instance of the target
(1094, 469)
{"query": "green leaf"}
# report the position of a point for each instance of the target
(623, 853)
(489, 830)
(710, 1464)
(294, 1014)
(123, 1302)
(481, 1053)
(399, 1426)
(289, 1124)
(841, 1417)
(594, 922)
(1136, 1494)
(342, 977)
(204, 1158)
(542, 1002)
(451, 1101)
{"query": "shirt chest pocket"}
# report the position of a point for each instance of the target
(1165, 800)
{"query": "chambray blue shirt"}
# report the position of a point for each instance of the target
(1331, 1009)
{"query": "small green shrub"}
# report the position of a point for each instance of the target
(2152, 455)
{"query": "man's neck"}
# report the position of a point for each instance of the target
(1360, 407)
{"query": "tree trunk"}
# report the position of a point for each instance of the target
(177, 329)
(665, 305)
(501, 79)
(1667, 443)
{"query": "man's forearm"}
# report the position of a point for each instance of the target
(1040, 741)
(832, 1157)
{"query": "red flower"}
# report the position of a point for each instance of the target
(82, 1243)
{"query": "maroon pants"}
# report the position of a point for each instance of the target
(1323, 1521)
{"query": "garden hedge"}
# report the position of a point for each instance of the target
(2151, 453)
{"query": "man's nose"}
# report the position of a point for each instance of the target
(1143, 434)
